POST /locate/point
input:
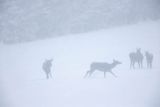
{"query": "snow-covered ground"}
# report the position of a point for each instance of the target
(23, 83)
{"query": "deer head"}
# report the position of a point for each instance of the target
(116, 62)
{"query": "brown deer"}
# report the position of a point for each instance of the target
(47, 64)
(102, 66)
(136, 57)
(149, 58)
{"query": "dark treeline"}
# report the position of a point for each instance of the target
(27, 20)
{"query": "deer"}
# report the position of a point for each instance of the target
(46, 66)
(149, 58)
(136, 57)
(103, 67)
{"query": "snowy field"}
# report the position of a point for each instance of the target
(23, 82)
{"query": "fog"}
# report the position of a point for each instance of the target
(22, 20)
(84, 53)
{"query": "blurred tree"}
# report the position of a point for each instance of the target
(26, 20)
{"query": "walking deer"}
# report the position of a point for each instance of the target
(102, 66)
(149, 58)
(136, 57)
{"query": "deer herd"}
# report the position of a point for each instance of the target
(135, 58)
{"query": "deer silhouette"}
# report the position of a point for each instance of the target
(136, 57)
(149, 59)
(47, 67)
(102, 66)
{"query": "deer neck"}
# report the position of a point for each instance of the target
(113, 65)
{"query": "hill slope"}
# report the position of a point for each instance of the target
(22, 20)
(24, 85)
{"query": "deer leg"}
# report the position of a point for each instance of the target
(131, 65)
(90, 73)
(86, 74)
(113, 74)
(50, 74)
(104, 74)
(47, 76)
(150, 64)
(141, 64)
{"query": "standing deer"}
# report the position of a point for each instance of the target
(104, 67)
(136, 57)
(149, 58)
(47, 68)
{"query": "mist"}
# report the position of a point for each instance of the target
(84, 53)
(30, 20)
